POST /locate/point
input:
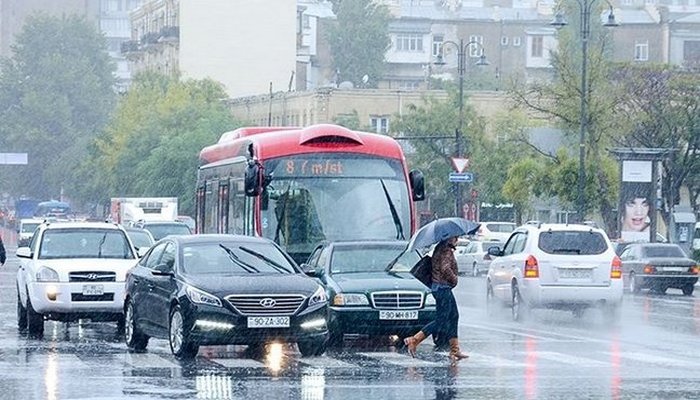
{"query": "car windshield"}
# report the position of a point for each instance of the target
(663, 251)
(160, 231)
(84, 243)
(232, 258)
(29, 227)
(140, 238)
(502, 227)
(349, 260)
(572, 242)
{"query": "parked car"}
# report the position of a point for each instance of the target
(141, 238)
(658, 266)
(491, 231)
(558, 266)
(161, 229)
(214, 289)
(365, 298)
(73, 270)
(473, 258)
(26, 229)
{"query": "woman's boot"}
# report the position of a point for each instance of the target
(455, 353)
(412, 342)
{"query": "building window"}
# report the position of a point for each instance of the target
(305, 21)
(641, 50)
(409, 85)
(476, 50)
(537, 49)
(409, 42)
(379, 123)
(437, 44)
(504, 40)
(516, 41)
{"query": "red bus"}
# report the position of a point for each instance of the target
(298, 186)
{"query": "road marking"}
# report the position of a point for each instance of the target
(495, 361)
(326, 362)
(506, 331)
(568, 359)
(238, 362)
(652, 359)
(146, 360)
(401, 360)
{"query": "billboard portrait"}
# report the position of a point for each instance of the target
(636, 201)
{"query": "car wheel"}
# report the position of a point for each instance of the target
(517, 307)
(633, 284)
(688, 289)
(35, 320)
(135, 339)
(180, 345)
(21, 315)
(312, 348)
(490, 300)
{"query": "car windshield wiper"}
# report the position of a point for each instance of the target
(233, 257)
(394, 213)
(268, 260)
(102, 241)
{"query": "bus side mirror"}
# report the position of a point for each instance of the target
(253, 178)
(417, 185)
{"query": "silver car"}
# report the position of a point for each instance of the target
(473, 258)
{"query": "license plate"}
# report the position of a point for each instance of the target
(575, 274)
(93, 290)
(268, 322)
(398, 315)
(674, 269)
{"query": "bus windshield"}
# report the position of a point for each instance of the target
(334, 197)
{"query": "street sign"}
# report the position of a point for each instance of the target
(13, 158)
(466, 177)
(460, 164)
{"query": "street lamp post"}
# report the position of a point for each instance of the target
(462, 48)
(585, 6)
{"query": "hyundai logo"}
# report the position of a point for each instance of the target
(268, 302)
(91, 277)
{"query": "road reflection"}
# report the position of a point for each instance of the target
(214, 387)
(530, 368)
(615, 363)
(313, 383)
(51, 376)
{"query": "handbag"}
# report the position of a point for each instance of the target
(423, 271)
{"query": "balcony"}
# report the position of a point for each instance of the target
(169, 34)
(130, 47)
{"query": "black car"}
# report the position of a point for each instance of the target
(658, 266)
(365, 298)
(161, 229)
(222, 289)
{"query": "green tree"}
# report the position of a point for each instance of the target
(151, 146)
(359, 40)
(56, 95)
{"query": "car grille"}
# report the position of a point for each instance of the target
(92, 276)
(276, 304)
(397, 300)
(99, 297)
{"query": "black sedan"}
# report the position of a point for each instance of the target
(366, 299)
(658, 266)
(222, 289)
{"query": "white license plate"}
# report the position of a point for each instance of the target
(93, 290)
(268, 322)
(575, 274)
(674, 269)
(398, 315)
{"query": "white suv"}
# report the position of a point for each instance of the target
(559, 266)
(73, 270)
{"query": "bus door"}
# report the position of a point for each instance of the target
(223, 207)
(211, 207)
(199, 204)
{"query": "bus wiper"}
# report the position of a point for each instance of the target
(231, 255)
(268, 260)
(394, 213)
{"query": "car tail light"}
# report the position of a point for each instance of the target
(649, 269)
(532, 269)
(695, 270)
(616, 268)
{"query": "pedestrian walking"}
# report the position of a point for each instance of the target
(3, 256)
(444, 279)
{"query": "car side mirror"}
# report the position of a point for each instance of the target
(24, 252)
(142, 251)
(253, 179)
(495, 251)
(417, 185)
(310, 271)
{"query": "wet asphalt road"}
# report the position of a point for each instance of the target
(653, 352)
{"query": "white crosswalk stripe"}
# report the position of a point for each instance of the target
(568, 359)
(146, 360)
(655, 359)
(402, 360)
(491, 361)
(327, 362)
(238, 362)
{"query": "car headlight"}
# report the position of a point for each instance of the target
(202, 297)
(318, 297)
(429, 300)
(46, 274)
(350, 299)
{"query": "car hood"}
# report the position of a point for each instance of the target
(221, 286)
(66, 265)
(374, 281)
